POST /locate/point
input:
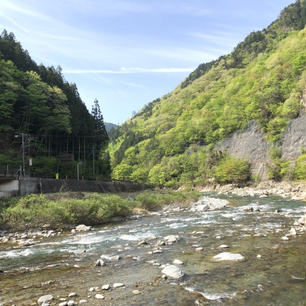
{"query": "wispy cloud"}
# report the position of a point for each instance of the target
(8, 5)
(124, 70)
(220, 39)
(133, 85)
(195, 11)
(13, 22)
(183, 54)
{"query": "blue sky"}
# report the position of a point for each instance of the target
(127, 53)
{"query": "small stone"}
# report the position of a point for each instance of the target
(105, 287)
(292, 232)
(258, 256)
(199, 249)
(227, 256)
(171, 239)
(71, 303)
(136, 292)
(118, 285)
(223, 246)
(285, 238)
(218, 237)
(82, 301)
(172, 271)
(99, 296)
(177, 262)
(72, 294)
(45, 299)
(63, 303)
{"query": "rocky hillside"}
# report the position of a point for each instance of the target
(238, 117)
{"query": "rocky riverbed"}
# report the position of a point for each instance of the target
(222, 250)
(292, 190)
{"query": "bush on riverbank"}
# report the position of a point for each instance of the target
(233, 170)
(66, 209)
(300, 168)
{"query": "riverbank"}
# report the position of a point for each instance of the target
(290, 190)
(210, 252)
(66, 210)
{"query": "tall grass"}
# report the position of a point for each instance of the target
(67, 209)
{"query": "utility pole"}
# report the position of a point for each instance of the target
(93, 160)
(22, 143)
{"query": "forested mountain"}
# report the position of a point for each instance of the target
(172, 141)
(37, 101)
(109, 126)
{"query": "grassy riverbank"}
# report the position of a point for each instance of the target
(62, 210)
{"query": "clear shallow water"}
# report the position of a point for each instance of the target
(67, 262)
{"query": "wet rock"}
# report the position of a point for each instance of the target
(136, 292)
(71, 303)
(110, 258)
(227, 256)
(118, 285)
(292, 232)
(83, 228)
(172, 271)
(100, 263)
(105, 287)
(206, 203)
(302, 220)
(142, 242)
(45, 299)
(177, 262)
(99, 296)
(170, 239)
(72, 294)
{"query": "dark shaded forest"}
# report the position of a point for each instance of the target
(42, 115)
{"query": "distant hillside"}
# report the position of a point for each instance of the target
(37, 102)
(178, 139)
(109, 126)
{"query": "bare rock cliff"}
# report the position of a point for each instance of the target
(251, 144)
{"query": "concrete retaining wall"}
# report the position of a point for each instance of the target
(42, 185)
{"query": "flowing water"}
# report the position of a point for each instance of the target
(248, 226)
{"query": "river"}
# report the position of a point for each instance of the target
(272, 271)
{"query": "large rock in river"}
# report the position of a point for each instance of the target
(207, 203)
(83, 228)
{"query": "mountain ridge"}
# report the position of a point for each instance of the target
(172, 138)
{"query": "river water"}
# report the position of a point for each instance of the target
(272, 272)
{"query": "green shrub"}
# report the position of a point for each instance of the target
(62, 210)
(300, 168)
(232, 170)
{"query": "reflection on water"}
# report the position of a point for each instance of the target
(273, 272)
